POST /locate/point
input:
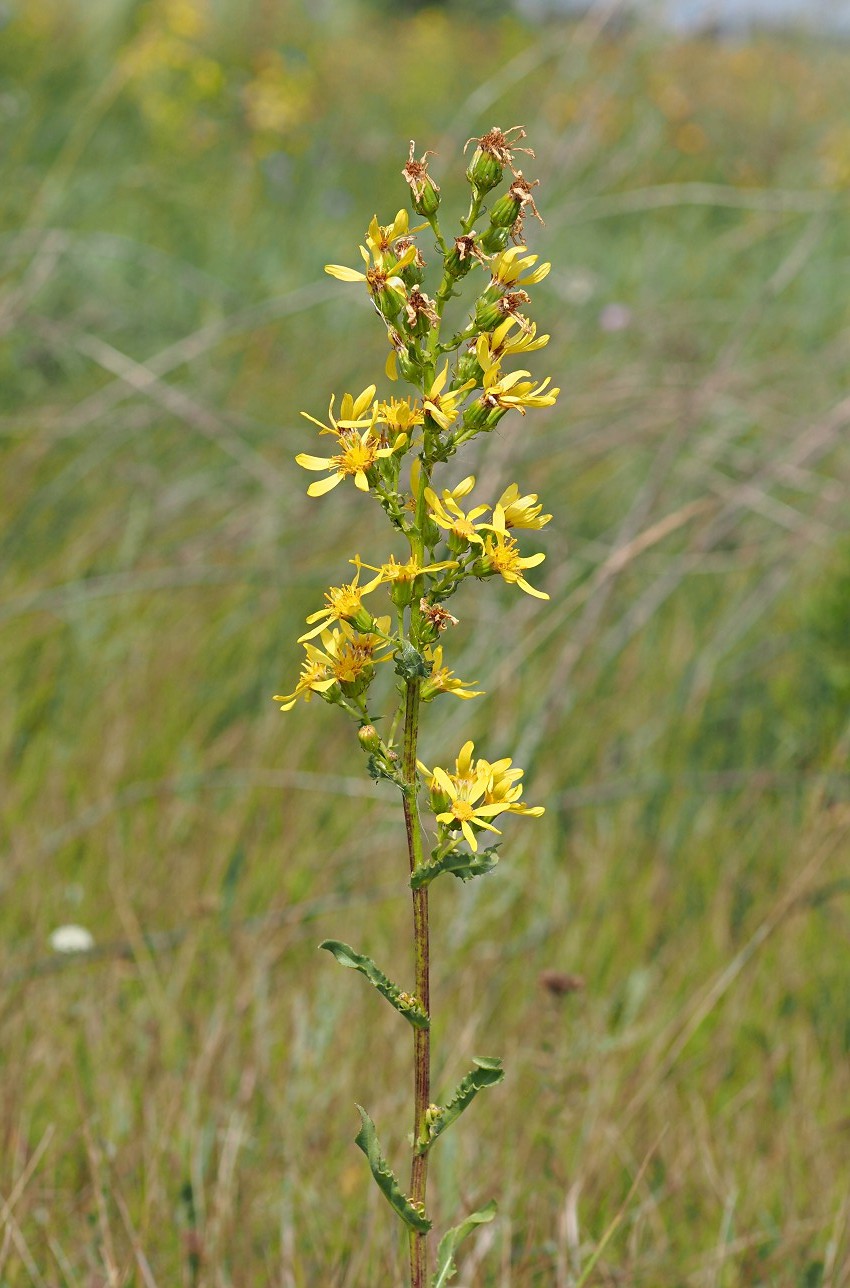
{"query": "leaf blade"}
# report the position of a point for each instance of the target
(404, 1003)
(367, 1140)
(446, 1267)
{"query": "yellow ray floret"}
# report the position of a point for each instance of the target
(352, 413)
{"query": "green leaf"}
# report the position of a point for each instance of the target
(462, 865)
(488, 1072)
(405, 1003)
(367, 1139)
(446, 1268)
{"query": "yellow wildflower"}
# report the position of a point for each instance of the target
(358, 453)
(501, 555)
(343, 603)
(448, 514)
(515, 511)
(492, 347)
(379, 276)
(504, 787)
(442, 680)
(315, 677)
(380, 237)
(443, 408)
(508, 267)
(352, 653)
(393, 572)
(400, 415)
(512, 391)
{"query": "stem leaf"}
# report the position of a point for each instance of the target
(404, 1003)
(367, 1140)
(461, 865)
(446, 1268)
(488, 1072)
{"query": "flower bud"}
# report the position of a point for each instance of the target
(488, 315)
(369, 738)
(407, 367)
(505, 210)
(476, 416)
(484, 171)
(495, 239)
(426, 200)
(469, 368)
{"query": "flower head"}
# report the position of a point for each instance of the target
(443, 407)
(507, 268)
(501, 555)
(395, 573)
(511, 391)
(515, 511)
(446, 512)
(425, 192)
(497, 144)
(442, 680)
(343, 603)
(358, 453)
(491, 347)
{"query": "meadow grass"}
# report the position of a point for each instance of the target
(177, 1107)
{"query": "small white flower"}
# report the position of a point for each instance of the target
(71, 939)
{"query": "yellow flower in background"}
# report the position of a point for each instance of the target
(442, 680)
(443, 407)
(343, 603)
(491, 347)
(351, 412)
(515, 511)
(511, 391)
(508, 267)
(501, 555)
(446, 512)
(358, 453)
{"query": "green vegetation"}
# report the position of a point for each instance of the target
(177, 1107)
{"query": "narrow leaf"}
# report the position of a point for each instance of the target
(367, 1139)
(461, 865)
(488, 1072)
(405, 1003)
(446, 1268)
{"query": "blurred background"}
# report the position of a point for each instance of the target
(663, 959)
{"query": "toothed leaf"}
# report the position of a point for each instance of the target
(446, 1268)
(405, 1003)
(463, 866)
(367, 1139)
(488, 1072)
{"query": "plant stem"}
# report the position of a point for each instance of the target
(421, 1037)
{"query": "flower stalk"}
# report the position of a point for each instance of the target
(390, 450)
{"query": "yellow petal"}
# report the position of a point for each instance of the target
(344, 274)
(321, 486)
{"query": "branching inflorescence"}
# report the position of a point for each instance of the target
(391, 449)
